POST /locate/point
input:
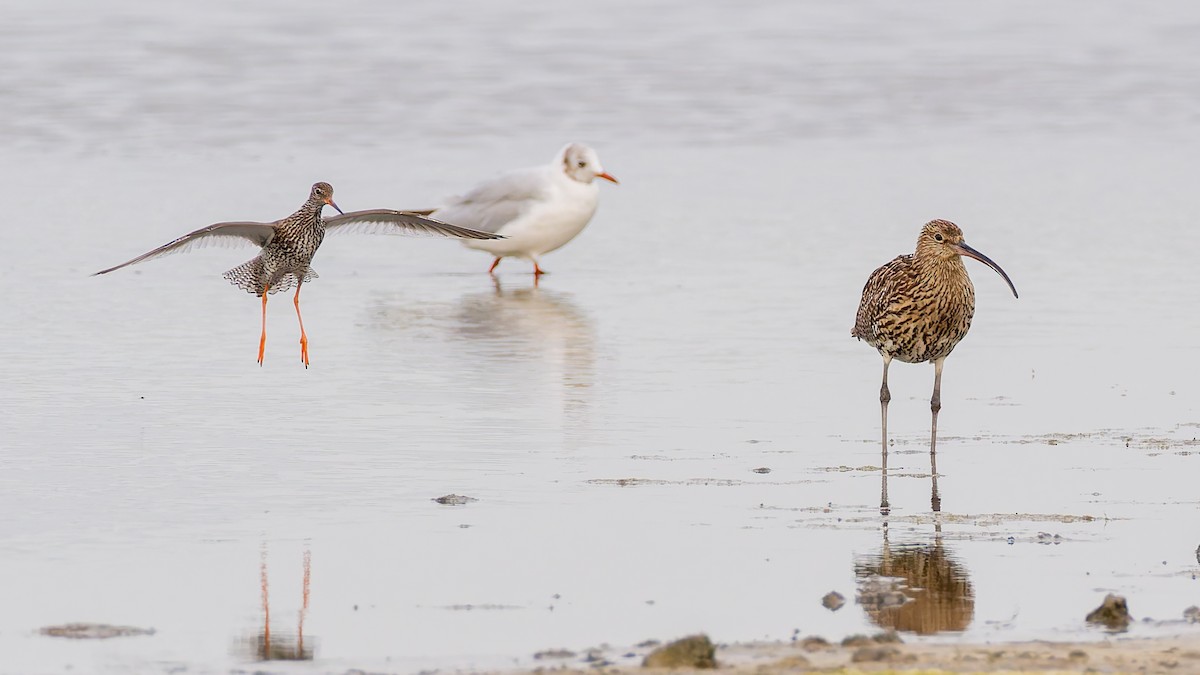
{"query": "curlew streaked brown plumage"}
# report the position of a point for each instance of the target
(917, 308)
(288, 247)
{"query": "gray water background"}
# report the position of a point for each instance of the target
(771, 155)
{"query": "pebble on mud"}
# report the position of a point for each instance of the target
(93, 631)
(454, 500)
(694, 651)
(814, 642)
(833, 601)
(554, 654)
(874, 654)
(1192, 614)
(860, 640)
(1113, 613)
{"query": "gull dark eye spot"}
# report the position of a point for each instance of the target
(582, 164)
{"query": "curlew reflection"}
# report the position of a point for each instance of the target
(935, 497)
(915, 587)
(263, 645)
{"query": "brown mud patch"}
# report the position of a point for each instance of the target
(876, 655)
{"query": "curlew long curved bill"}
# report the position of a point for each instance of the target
(963, 249)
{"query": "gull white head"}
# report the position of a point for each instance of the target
(581, 163)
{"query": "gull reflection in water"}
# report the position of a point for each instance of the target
(915, 586)
(263, 645)
(530, 344)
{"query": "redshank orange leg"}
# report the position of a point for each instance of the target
(495, 264)
(303, 336)
(262, 341)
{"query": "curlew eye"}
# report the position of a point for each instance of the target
(938, 237)
(582, 164)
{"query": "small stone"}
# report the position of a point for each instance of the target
(814, 642)
(874, 654)
(1078, 655)
(554, 654)
(595, 658)
(793, 662)
(1192, 614)
(890, 637)
(694, 651)
(454, 500)
(857, 640)
(762, 469)
(1113, 613)
(833, 601)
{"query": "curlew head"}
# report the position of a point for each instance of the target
(943, 240)
(581, 163)
(322, 193)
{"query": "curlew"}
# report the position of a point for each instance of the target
(288, 247)
(917, 308)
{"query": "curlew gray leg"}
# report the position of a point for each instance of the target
(884, 397)
(262, 341)
(935, 499)
(935, 403)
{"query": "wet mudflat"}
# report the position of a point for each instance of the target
(673, 432)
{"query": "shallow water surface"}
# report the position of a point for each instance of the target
(673, 432)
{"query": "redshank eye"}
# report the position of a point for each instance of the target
(938, 237)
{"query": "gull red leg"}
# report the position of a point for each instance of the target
(303, 336)
(262, 341)
(495, 264)
(537, 270)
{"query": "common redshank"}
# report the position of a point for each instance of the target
(288, 246)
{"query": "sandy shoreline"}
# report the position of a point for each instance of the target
(883, 654)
